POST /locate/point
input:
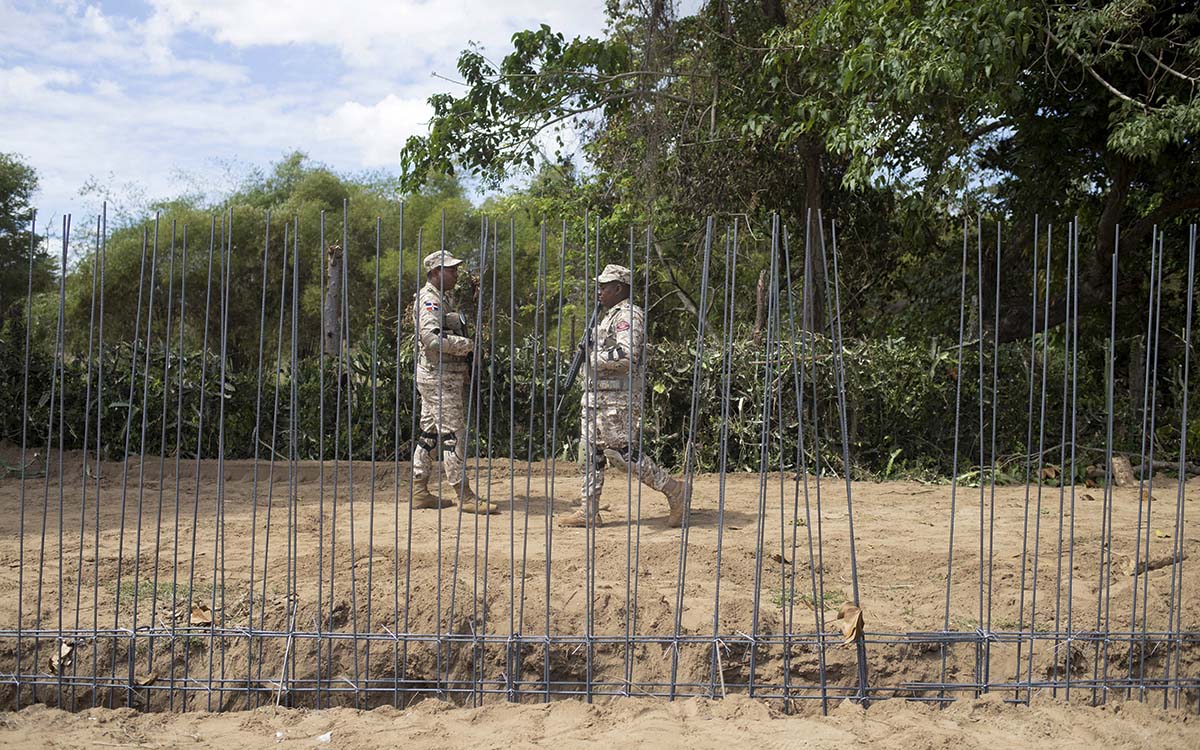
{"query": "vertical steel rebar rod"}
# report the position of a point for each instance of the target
(1033, 287)
(412, 452)
(627, 650)
(763, 453)
(162, 453)
(978, 672)
(283, 278)
(87, 413)
(1037, 524)
(137, 545)
(1148, 465)
(591, 261)
(637, 514)
(798, 355)
(840, 372)
(1072, 251)
(987, 623)
(808, 318)
(124, 468)
(262, 330)
(324, 287)
(349, 378)
(1144, 494)
(562, 269)
(25, 466)
(174, 623)
(1175, 610)
(218, 579)
(962, 311)
(512, 458)
(1104, 586)
(374, 430)
(689, 450)
(1073, 301)
(539, 314)
(293, 597)
(716, 674)
(61, 364)
(191, 586)
(396, 673)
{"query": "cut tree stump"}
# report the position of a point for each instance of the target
(332, 304)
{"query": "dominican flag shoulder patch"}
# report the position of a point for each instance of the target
(623, 325)
(431, 306)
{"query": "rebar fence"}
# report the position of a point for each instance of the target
(209, 509)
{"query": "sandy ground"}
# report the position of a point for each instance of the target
(626, 722)
(492, 581)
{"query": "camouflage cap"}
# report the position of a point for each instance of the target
(613, 272)
(440, 259)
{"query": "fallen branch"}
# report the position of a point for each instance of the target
(1145, 566)
(1167, 466)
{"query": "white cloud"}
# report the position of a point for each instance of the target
(19, 84)
(139, 96)
(70, 34)
(97, 22)
(379, 130)
(106, 87)
(396, 35)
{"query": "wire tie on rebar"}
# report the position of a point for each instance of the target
(986, 636)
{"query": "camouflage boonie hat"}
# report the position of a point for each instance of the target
(614, 272)
(440, 259)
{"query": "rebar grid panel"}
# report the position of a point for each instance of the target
(261, 588)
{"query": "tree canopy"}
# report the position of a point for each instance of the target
(18, 182)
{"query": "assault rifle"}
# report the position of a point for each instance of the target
(581, 351)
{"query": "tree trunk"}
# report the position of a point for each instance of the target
(1095, 268)
(812, 214)
(332, 335)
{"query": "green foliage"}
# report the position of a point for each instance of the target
(544, 81)
(899, 398)
(18, 182)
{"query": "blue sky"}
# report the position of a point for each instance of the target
(164, 97)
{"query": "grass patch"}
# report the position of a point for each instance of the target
(148, 596)
(831, 599)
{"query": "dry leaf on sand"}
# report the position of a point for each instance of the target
(850, 620)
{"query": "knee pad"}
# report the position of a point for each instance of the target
(438, 443)
(428, 439)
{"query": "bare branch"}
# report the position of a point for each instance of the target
(1099, 78)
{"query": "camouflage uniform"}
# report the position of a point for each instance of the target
(610, 418)
(443, 377)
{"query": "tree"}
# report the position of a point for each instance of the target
(1018, 107)
(666, 110)
(18, 182)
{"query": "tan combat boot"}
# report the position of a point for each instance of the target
(422, 498)
(579, 520)
(675, 491)
(471, 502)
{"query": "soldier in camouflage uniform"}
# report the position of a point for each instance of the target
(443, 377)
(613, 379)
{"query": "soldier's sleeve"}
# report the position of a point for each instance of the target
(433, 338)
(620, 345)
